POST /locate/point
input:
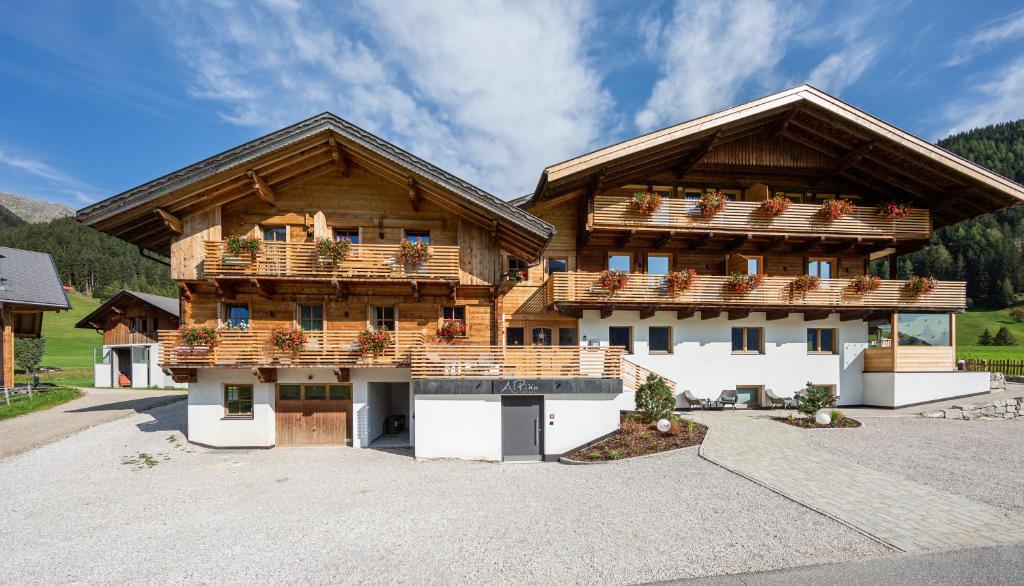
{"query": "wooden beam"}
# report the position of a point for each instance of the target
(338, 156)
(415, 290)
(773, 244)
(117, 310)
(343, 375)
(845, 162)
(697, 156)
(265, 375)
(261, 188)
(186, 291)
(606, 311)
(414, 194)
(663, 240)
(775, 314)
(172, 222)
(225, 288)
(574, 312)
(815, 315)
(648, 311)
(709, 313)
(736, 243)
(341, 290)
(263, 288)
(734, 314)
(626, 238)
(685, 313)
(698, 243)
(809, 244)
(853, 315)
(783, 124)
(184, 375)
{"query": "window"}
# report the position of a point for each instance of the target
(567, 337)
(314, 392)
(340, 392)
(557, 264)
(515, 337)
(923, 329)
(621, 336)
(748, 395)
(821, 340)
(236, 315)
(747, 340)
(457, 313)
(238, 400)
(620, 262)
(311, 318)
(518, 264)
(418, 236)
(384, 317)
(133, 325)
(351, 233)
(541, 337)
(745, 265)
(659, 340)
(289, 392)
(140, 354)
(754, 265)
(880, 333)
(821, 267)
(659, 264)
(275, 233)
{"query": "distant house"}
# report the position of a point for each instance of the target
(129, 322)
(29, 285)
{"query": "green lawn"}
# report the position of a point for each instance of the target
(969, 326)
(21, 404)
(67, 347)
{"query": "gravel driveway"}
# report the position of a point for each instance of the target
(90, 509)
(980, 460)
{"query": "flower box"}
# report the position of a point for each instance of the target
(916, 286)
(894, 210)
(710, 203)
(451, 329)
(241, 246)
(373, 341)
(290, 341)
(645, 202)
(679, 281)
(333, 251)
(836, 209)
(613, 280)
(774, 206)
(805, 283)
(411, 253)
(865, 283)
(743, 284)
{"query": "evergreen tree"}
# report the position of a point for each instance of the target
(1004, 338)
(1004, 296)
(985, 339)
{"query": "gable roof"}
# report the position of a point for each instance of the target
(168, 305)
(312, 134)
(31, 279)
(855, 140)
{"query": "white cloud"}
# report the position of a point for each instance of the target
(1009, 28)
(999, 100)
(490, 91)
(39, 179)
(709, 51)
(843, 68)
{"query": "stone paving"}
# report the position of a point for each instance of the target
(896, 511)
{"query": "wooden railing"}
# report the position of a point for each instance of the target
(300, 260)
(1007, 367)
(331, 348)
(634, 375)
(583, 288)
(615, 212)
(497, 362)
(910, 359)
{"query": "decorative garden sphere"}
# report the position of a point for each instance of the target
(822, 418)
(664, 425)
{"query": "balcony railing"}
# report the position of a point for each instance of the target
(497, 362)
(584, 289)
(300, 260)
(253, 348)
(615, 213)
(910, 359)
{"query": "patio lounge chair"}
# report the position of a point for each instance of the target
(728, 397)
(772, 400)
(690, 401)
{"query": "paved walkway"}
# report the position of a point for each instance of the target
(25, 432)
(1013, 390)
(903, 514)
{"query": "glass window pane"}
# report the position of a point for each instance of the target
(236, 314)
(753, 266)
(351, 233)
(289, 392)
(315, 392)
(657, 265)
(753, 339)
(275, 233)
(311, 317)
(923, 329)
(621, 336)
(812, 340)
(658, 339)
(620, 262)
(340, 392)
(541, 336)
(418, 236)
(747, 396)
(826, 340)
(879, 333)
(514, 337)
(558, 265)
(567, 337)
(737, 339)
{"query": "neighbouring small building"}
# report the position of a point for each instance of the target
(29, 286)
(130, 356)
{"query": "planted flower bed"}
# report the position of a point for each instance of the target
(840, 422)
(636, 438)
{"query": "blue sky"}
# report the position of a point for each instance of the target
(98, 97)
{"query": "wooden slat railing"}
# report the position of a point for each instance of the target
(634, 375)
(331, 348)
(300, 260)
(910, 359)
(497, 362)
(1007, 367)
(583, 288)
(615, 212)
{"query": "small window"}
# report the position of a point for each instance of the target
(238, 400)
(659, 264)
(541, 337)
(133, 325)
(518, 265)
(557, 264)
(384, 317)
(754, 265)
(821, 340)
(352, 234)
(621, 336)
(140, 354)
(340, 392)
(275, 233)
(236, 315)
(821, 267)
(568, 337)
(659, 340)
(880, 333)
(289, 392)
(691, 194)
(620, 262)
(515, 337)
(748, 340)
(418, 236)
(311, 318)
(455, 312)
(314, 392)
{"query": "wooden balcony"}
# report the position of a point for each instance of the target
(253, 348)
(521, 362)
(910, 359)
(579, 289)
(614, 212)
(299, 260)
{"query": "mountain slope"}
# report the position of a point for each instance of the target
(34, 210)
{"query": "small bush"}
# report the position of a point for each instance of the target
(816, 399)
(985, 339)
(1017, 313)
(654, 399)
(837, 415)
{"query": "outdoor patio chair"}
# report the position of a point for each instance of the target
(772, 400)
(690, 401)
(728, 397)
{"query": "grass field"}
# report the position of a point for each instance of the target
(21, 404)
(67, 347)
(969, 326)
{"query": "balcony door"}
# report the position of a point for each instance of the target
(620, 261)
(745, 265)
(824, 268)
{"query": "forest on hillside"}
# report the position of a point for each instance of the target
(986, 252)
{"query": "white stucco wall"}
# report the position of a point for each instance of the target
(896, 389)
(578, 419)
(361, 377)
(206, 422)
(101, 375)
(458, 426)
(143, 375)
(702, 360)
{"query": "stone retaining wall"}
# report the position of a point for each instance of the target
(1003, 409)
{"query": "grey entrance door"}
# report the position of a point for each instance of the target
(522, 427)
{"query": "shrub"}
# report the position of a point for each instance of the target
(805, 283)
(1003, 337)
(816, 398)
(645, 202)
(654, 399)
(837, 415)
(28, 353)
(613, 280)
(836, 209)
(866, 283)
(1017, 313)
(985, 339)
(679, 281)
(894, 210)
(239, 244)
(774, 206)
(710, 203)
(740, 283)
(291, 341)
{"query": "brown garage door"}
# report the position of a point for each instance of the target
(313, 414)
